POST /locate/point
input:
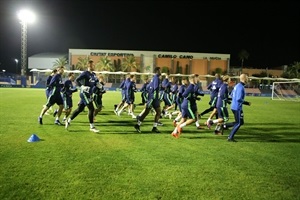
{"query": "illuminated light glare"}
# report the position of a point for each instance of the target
(26, 16)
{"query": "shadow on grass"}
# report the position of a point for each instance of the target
(260, 132)
(250, 132)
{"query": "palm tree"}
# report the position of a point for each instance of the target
(243, 55)
(104, 64)
(60, 62)
(129, 63)
(82, 63)
(292, 71)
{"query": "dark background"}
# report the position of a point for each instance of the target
(268, 31)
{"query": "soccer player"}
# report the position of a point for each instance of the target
(221, 106)
(153, 102)
(67, 93)
(145, 96)
(48, 89)
(98, 92)
(179, 99)
(197, 92)
(174, 91)
(238, 99)
(86, 81)
(129, 96)
(144, 92)
(55, 84)
(214, 89)
(123, 92)
(188, 108)
(167, 98)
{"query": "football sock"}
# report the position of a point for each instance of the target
(182, 125)
(177, 118)
(175, 130)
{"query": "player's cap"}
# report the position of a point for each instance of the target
(90, 61)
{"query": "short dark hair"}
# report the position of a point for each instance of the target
(156, 69)
(61, 67)
(132, 75)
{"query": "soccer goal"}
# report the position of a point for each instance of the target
(287, 91)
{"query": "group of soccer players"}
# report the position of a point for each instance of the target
(164, 89)
(60, 93)
(160, 89)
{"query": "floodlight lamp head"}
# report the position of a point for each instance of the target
(26, 16)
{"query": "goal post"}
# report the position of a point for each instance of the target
(286, 91)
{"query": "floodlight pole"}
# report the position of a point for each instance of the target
(25, 16)
(23, 47)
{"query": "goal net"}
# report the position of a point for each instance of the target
(287, 91)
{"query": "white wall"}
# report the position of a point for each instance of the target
(41, 63)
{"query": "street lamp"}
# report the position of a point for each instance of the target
(16, 60)
(25, 16)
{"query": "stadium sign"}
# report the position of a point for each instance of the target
(175, 56)
(111, 54)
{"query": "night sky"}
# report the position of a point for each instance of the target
(268, 31)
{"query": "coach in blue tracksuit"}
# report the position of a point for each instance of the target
(238, 99)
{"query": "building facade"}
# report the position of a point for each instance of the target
(171, 62)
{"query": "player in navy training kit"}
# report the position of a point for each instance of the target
(221, 106)
(153, 102)
(166, 85)
(144, 92)
(179, 98)
(169, 95)
(188, 108)
(55, 84)
(197, 92)
(67, 93)
(213, 87)
(86, 81)
(98, 92)
(48, 88)
(129, 96)
(123, 98)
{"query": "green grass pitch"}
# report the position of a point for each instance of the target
(119, 163)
